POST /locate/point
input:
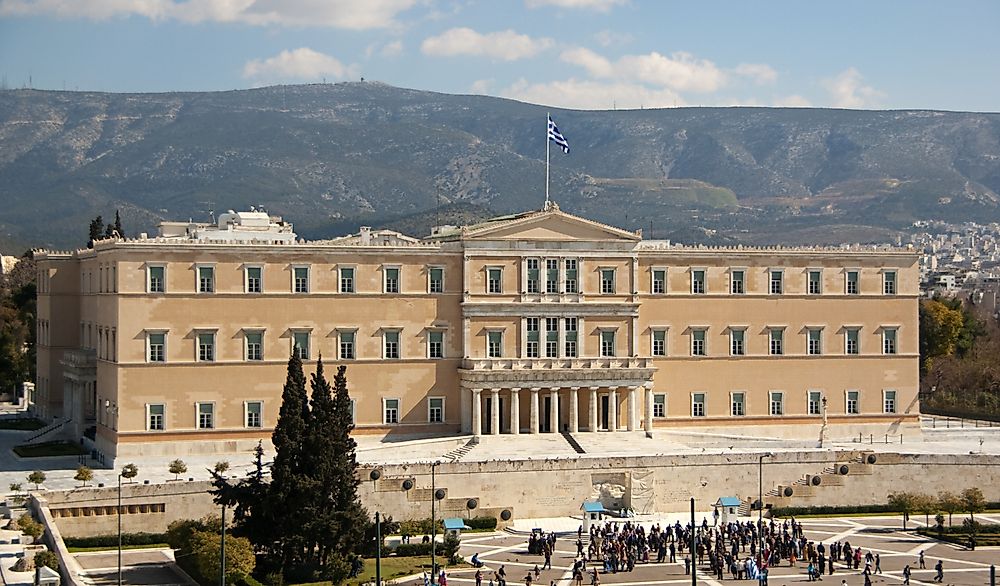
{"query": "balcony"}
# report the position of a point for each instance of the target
(551, 372)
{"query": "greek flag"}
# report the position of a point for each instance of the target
(557, 137)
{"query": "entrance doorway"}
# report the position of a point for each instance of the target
(488, 415)
(547, 406)
(605, 407)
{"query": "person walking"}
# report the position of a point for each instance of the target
(923, 565)
(878, 564)
(906, 575)
(939, 568)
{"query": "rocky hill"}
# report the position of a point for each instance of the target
(331, 157)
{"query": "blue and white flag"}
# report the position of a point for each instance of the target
(557, 137)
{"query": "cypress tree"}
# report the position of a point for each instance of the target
(289, 485)
(96, 230)
(118, 225)
(321, 466)
(352, 518)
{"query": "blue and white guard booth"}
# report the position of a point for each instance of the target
(728, 509)
(454, 526)
(593, 511)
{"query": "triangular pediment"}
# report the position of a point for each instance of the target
(552, 225)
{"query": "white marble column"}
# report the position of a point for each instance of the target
(630, 425)
(495, 412)
(647, 412)
(515, 411)
(593, 409)
(613, 409)
(574, 410)
(533, 417)
(554, 410)
(477, 413)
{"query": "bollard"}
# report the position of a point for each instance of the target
(993, 575)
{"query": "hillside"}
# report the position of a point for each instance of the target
(331, 157)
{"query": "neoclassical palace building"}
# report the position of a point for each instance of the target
(538, 322)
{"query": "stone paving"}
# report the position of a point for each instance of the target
(140, 567)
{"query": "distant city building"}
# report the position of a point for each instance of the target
(537, 322)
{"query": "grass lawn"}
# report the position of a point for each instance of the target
(59, 448)
(392, 568)
(115, 548)
(22, 424)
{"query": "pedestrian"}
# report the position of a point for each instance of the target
(923, 565)
(878, 564)
(479, 578)
(906, 575)
(939, 568)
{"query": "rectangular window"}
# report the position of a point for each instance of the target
(777, 403)
(206, 347)
(853, 283)
(254, 279)
(852, 341)
(852, 402)
(552, 275)
(659, 405)
(532, 277)
(206, 279)
(698, 282)
(346, 344)
(255, 346)
(531, 327)
(659, 281)
(300, 280)
(156, 417)
(391, 280)
(698, 404)
(300, 345)
(889, 341)
(737, 282)
(776, 341)
(659, 346)
(698, 343)
(777, 282)
(815, 342)
(390, 411)
(570, 275)
(435, 344)
(889, 283)
(390, 344)
(157, 279)
(347, 280)
(157, 344)
(435, 409)
(435, 280)
(206, 415)
(738, 404)
(552, 337)
(254, 414)
(737, 342)
(888, 401)
(815, 282)
(570, 326)
(494, 282)
(815, 403)
(607, 343)
(494, 344)
(607, 281)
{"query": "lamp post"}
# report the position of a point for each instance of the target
(378, 549)
(222, 547)
(760, 503)
(434, 466)
(119, 529)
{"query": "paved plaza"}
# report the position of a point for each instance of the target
(140, 567)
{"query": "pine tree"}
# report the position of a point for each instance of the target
(96, 230)
(248, 500)
(290, 487)
(118, 225)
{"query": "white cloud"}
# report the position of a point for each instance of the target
(482, 86)
(847, 91)
(680, 71)
(607, 38)
(793, 101)
(346, 14)
(505, 45)
(599, 5)
(591, 95)
(302, 64)
(392, 49)
(760, 73)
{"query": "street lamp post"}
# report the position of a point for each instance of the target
(433, 523)
(378, 549)
(760, 504)
(119, 529)
(222, 547)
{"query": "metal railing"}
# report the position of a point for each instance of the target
(873, 438)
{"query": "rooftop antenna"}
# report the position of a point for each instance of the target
(210, 209)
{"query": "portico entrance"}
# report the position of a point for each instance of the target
(548, 406)
(603, 421)
(502, 418)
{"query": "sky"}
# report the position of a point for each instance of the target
(582, 54)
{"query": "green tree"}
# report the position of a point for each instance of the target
(940, 327)
(249, 501)
(903, 502)
(178, 467)
(240, 559)
(48, 559)
(289, 488)
(130, 471)
(27, 525)
(926, 504)
(84, 475)
(950, 503)
(973, 502)
(96, 230)
(221, 467)
(37, 477)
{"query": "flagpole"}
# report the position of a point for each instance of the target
(547, 141)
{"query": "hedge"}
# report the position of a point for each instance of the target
(480, 523)
(112, 540)
(959, 530)
(414, 549)
(832, 510)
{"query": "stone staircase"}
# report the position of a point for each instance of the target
(459, 452)
(573, 443)
(46, 433)
(803, 491)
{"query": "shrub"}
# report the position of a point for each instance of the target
(240, 559)
(179, 533)
(413, 549)
(29, 526)
(178, 467)
(482, 523)
(37, 477)
(130, 471)
(84, 474)
(47, 558)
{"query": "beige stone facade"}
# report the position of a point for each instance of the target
(178, 344)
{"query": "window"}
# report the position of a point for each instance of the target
(300, 345)
(659, 281)
(206, 279)
(815, 282)
(255, 345)
(659, 345)
(852, 341)
(552, 337)
(390, 344)
(888, 401)
(776, 341)
(156, 346)
(698, 404)
(814, 403)
(739, 407)
(570, 276)
(253, 279)
(659, 405)
(607, 281)
(206, 346)
(889, 341)
(155, 417)
(346, 345)
(435, 410)
(698, 282)
(852, 402)
(569, 334)
(156, 280)
(206, 415)
(531, 327)
(391, 284)
(347, 279)
(737, 341)
(300, 279)
(435, 276)
(777, 282)
(435, 344)
(532, 280)
(607, 343)
(552, 275)
(494, 283)
(698, 343)
(853, 286)
(777, 403)
(889, 283)
(390, 411)
(494, 344)
(254, 414)
(737, 282)
(814, 344)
